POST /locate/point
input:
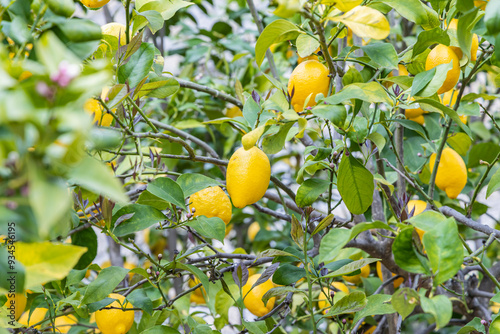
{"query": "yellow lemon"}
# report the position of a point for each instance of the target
(481, 4)
(415, 114)
(94, 3)
(442, 54)
(248, 176)
(416, 204)
(37, 316)
(253, 300)
(253, 229)
(233, 112)
(308, 78)
(16, 303)
(402, 70)
(475, 43)
(63, 324)
(356, 279)
(117, 30)
(212, 202)
(397, 282)
(324, 301)
(449, 99)
(115, 321)
(451, 175)
(101, 116)
(197, 296)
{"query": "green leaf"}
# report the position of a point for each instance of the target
(45, 261)
(168, 190)
(421, 80)
(383, 54)
(440, 307)
(7, 267)
(297, 232)
(310, 190)
(159, 329)
(351, 267)
(371, 92)
(460, 142)
(412, 10)
(444, 250)
(85, 238)
(494, 183)
(440, 73)
(353, 302)
(404, 301)
(274, 143)
(138, 65)
(411, 125)
(166, 8)
(482, 151)
(192, 183)
(147, 198)
(375, 305)
(287, 274)
(280, 291)
(107, 280)
(332, 243)
(435, 106)
(427, 38)
(80, 30)
(465, 26)
(427, 220)
(276, 32)
(405, 254)
(355, 185)
(274, 253)
(324, 223)
(306, 45)
(336, 113)
(140, 299)
(474, 325)
(48, 210)
(159, 88)
(98, 178)
(209, 227)
(151, 18)
(143, 217)
(359, 228)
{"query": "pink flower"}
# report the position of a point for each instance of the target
(65, 73)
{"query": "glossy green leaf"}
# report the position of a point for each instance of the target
(332, 243)
(277, 31)
(435, 106)
(306, 45)
(287, 274)
(353, 302)
(404, 301)
(138, 66)
(336, 113)
(440, 307)
(482, 151)
(460, 142)
(474, 325)
(444, 250)
(310, 190)
(494, 183)
(375, 305)
(351, 267)
(209, 227)
(355, 185)
(427, 38)
(104, 284)
(85, 238)
(192, 183)
(412, 10)
(371, 92)
(139, 218)
(405, 254)
(168, 190)
(383, 54)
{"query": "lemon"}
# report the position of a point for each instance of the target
(233, 112)
(212, 202)
(451, 175)
(324, 301)
(420, 207)
(63, 324)
(415, 114)
(101, 116)
(117, 30)
(253, 300)
(475, 43)
(18, 302)
(248, 176)
(198, 295)
(37, 316)
(114, 321)
(402, 70)
(397, 282)
(356, 279)
(253, 229)
(308, 78)
(94, 4)
(481, 4)
(442, 54)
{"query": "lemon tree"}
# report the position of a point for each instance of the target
(249, 167)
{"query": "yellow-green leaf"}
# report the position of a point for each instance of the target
(46, 261)
(365, 22)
